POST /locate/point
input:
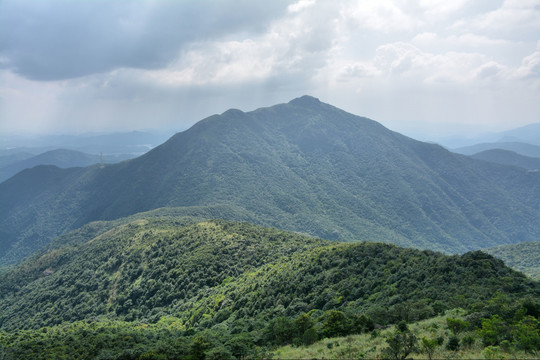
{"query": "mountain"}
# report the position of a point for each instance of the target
(304, 166)
(134, 142)
(506, 157)
(517, 147)
(127, 259)
(10, 158)
(174, 285)
(524, 257)
(528, 134)
(60, 157)
(214, 271)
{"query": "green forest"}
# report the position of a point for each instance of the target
(524, 257)
(174, 288)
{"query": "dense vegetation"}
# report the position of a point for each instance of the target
(456, 335)
(303, 166)
(503, 330)
(524, 257)
(507, 157)
(137, 270)
(166, 287)
(385, 282)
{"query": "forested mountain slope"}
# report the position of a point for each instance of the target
(215, 272)
(304, 166)
(62, 158)
(524, 257)
(507, 157)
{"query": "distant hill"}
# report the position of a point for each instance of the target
(529, 134)
(520, 148)
(135, 142)
(524, 257)
(62, 158)
(212, 272)
(303, 166)
(507, 157)
(10, 158)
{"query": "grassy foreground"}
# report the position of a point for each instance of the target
(372, 345)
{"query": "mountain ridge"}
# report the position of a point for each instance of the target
(524, 149)
(212, 272)
(303, 166)
(62, 158)
(507, 157)
(524, 257)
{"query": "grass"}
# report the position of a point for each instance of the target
(370, 346)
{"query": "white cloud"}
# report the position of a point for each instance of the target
(513, 17)
(440, 8)
(219, 63)
(530, 67)
(63, 39)
(404, 62)
(300, 5)
(489, 70)
(467, 40)
(292, 45)
(384, 16)
(385, 59)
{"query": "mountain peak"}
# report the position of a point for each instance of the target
(305, 166)
(233, 112)
(305, 100)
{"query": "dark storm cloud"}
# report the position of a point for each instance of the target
(61, 39)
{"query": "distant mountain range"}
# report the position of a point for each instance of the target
(61, 157)
(519, 148)
(304, 166)
(507, 157)
(135, 142)
(22, 152)
(528, 134)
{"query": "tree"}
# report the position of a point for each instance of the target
(199, 347)
(310, 336)
(280, 330)
(527, 335)
(401, 343)
(336, 324)
(362, 324)
(493, 330)
(453, 343)
(428, 346)
(219, 352)
(457, 325)
(302, 323)
(240, 345)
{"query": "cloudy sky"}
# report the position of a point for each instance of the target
(417, 66)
